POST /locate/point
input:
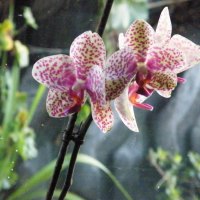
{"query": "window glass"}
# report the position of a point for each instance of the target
(161, 161)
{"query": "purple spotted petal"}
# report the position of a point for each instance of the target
(165, 59)
(102, 116)
(120, 70)
(164, 28)
(87, 50)
(140, 37)
(95, 85)
(165, 81)
(190, 50)
(56, 71)
(125, 111)
(61, 104)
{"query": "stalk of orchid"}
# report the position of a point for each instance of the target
(147, 61)
(74, 105)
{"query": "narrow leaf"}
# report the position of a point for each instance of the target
(46, 172)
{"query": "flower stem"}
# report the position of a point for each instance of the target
(61, 155)
(68, 134)
(83, 130)
(104, 18)
(78, 142)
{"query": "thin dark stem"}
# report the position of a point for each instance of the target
(61, 155)
(78, 142)
(68, 135)
(68, 180)
(82, 132)
(104, 18)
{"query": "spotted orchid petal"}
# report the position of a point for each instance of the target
(165, 59)
(165, 94)
(165, 81)
(164, 28)
(139, 37)
(61, 104)
(56, 72)
(121, 40)
(102, 116)
(125, 111)
(87, 50)
(190, 50)
(95, 85)
(120, 70)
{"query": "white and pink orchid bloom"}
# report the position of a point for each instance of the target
(159, 58)
(71, 79)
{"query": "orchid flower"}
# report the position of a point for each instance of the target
(159, 58)
(72, 78)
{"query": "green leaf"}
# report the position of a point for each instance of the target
(43, 175)
(30, 20)
(9, 181)
(6, 172)
(46, 172)
(21, 97)
(42, 193)
(10, 107)
(92, 161)
(36, 101)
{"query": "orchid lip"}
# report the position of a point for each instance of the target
(143, 91)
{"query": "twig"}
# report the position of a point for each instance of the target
(78, 142)
(158, 168)
(68, 135)
(65, 142)
(81, 135)
(104, 18)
